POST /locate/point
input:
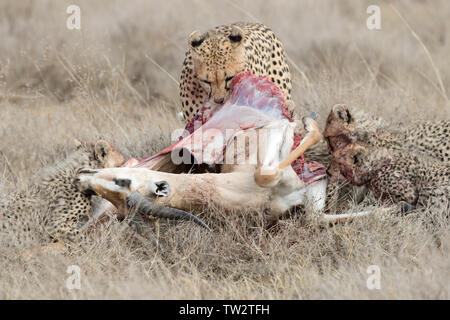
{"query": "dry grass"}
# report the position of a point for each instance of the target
(57, 84)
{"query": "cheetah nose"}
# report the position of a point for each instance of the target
(219, 101)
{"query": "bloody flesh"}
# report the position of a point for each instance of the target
(254, 102)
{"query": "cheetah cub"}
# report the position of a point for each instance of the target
(425, 138)
(396, 175)
(51, 209)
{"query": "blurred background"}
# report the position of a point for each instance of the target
(328, 42)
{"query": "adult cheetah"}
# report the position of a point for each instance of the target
(52, 207)
(215, 57)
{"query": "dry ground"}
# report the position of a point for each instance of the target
(57, 84)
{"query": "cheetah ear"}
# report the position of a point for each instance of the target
(77, 143)
(343, 113)
(236, 36)
(196, 38)
(101, 149)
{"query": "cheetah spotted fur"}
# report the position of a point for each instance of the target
(215, 57)
(396, 175)
(52, 208)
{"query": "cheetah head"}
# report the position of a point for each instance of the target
(103, 152)
(334, 172)
(354, 163)
(107, 154)
(344, 126)
(339, 127)
(217, 58)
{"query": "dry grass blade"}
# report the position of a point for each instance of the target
(162, 69)
(427, 53)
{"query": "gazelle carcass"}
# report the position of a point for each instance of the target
(247, 137)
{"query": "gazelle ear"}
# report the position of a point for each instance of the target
(236, 36)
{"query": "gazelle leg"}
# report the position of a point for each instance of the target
(316, 195)
(316, 200)
(333, 218)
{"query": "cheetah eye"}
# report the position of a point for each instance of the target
(206, 82)
(357, 158)
(228, 82)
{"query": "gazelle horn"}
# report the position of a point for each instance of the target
(137, 201)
